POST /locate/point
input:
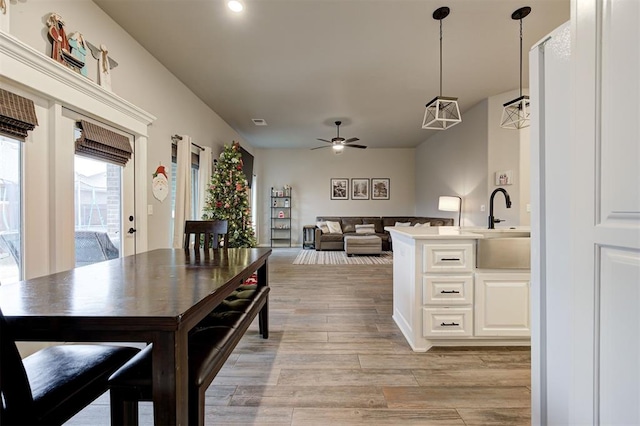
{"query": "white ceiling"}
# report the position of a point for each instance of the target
(302, 64)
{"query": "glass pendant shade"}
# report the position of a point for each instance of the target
(442, 112)
(515, 114)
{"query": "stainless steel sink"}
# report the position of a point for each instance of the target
(503, 249)
(501, 233)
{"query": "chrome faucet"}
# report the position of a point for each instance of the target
(492, 220)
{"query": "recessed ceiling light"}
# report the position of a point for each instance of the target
(235, 5)
(259, 121)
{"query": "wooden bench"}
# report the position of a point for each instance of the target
(210, 344)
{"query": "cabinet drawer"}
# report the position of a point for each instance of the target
(447, 258)
(447, 290)
(443, 322)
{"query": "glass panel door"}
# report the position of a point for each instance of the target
(98, 210)
(10, 210)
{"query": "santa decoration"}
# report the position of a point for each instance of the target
(160, 184)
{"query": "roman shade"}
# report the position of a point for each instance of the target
(103, 144)
(195, 158)
(17, 114)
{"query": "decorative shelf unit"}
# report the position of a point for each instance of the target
(280, 218)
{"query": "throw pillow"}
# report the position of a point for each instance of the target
(323, 227)
(334, 227)
(401, 224)
(422, 225)
(366, 229)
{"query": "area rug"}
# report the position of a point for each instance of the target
(313, 257)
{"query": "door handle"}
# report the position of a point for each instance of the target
(131, 231)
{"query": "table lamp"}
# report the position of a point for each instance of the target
(451, 204)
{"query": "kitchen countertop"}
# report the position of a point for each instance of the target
(449, 232)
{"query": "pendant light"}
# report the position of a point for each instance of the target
(515, 114)
(442, 112)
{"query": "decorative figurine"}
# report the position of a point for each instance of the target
(105, 64)
(61, 51)
(79, 50)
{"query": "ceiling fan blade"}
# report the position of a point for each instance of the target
(324, 140)
(351, 140)
(356, 146)
(318, 147)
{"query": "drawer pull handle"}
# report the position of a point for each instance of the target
(452, 324)
(450, 259)
(450, 292)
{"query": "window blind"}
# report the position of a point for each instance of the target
(103, 144)
(17, 114)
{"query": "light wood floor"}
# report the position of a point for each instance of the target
(334, 356)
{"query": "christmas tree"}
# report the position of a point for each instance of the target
(228, 198)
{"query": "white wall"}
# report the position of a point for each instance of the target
(309, 173)
(140, 79)
(454, 162)
(463, 161)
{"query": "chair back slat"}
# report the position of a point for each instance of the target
(207, 233)
(17, 401)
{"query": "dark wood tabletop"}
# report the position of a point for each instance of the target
(154, 297)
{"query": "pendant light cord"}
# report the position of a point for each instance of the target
(520, 57)
(441, 57)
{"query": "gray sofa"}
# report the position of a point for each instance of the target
(335, 241)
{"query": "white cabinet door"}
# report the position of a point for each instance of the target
(502, 304)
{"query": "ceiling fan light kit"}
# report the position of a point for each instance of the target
(516, 113)
(235, 5)
(339, 143)
(442, 112)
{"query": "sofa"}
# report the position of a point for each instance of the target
(335, 240)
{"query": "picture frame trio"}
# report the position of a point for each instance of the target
(360, 188)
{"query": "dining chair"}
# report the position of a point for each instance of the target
(54, 384)
(206, 233)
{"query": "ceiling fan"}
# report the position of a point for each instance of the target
(339, 143)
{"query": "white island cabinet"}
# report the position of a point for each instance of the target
(440, 298)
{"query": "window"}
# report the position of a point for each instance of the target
(10, 210)
(195, 161)
(98, 209)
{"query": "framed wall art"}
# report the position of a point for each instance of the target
(339, 189)
(380, 188)
(359, 189)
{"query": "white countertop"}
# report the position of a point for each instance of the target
(449, 232)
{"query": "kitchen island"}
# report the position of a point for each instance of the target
(442, 298)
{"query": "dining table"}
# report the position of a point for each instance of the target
(153, 297)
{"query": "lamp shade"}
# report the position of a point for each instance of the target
(450, 204)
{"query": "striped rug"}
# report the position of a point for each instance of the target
(313, 257)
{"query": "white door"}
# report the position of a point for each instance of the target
(590, 309)
(103, 197)
(606, 207)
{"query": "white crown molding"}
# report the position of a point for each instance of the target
(23, 64)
